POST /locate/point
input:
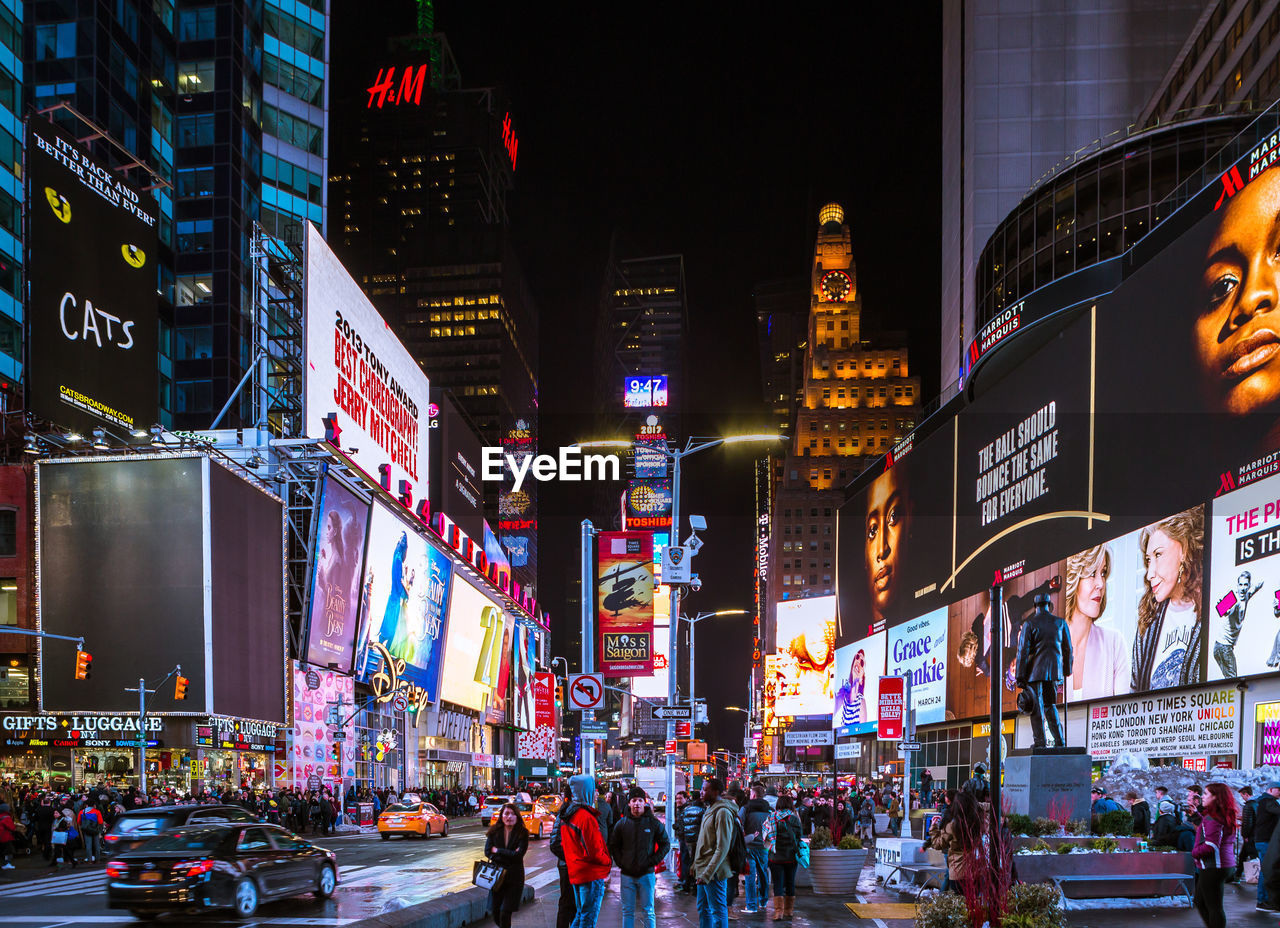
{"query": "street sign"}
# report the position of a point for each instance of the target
(400, 702)
(678, 713)
(673, 747)
(677, 565)
(909, 745)
(684, 730)
(331, 715)
(891, 708)
(748, 743)
(586, 691)
(339, 736)
(809, 738)
(595, 730)
(848, 751)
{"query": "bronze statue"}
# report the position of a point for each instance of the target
(1043, 657)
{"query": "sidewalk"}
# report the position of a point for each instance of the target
(889, 910)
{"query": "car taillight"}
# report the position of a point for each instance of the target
(111, 839)
(117, 869)
(185, 868)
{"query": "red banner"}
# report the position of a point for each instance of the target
(624, 603)
(892, 693)
(544, 699)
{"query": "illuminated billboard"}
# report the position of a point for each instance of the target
(92, 275)
(655, 685)
(1244, 582)
(407, 596)
(523, 684)
(805, 661)
(858, 669)
(336, 579)
(473, 619)
(362, 388)
(644, 392)
(624, 603)
(919, 647)
(648, 504)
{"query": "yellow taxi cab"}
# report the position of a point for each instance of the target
(415, 818)
(537, 821)
(549, 803)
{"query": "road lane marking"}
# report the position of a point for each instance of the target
(544, 879)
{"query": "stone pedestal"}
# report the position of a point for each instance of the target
(1048, 783)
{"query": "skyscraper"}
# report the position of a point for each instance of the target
(221, 109)
(858, 399)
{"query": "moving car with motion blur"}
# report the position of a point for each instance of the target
(491, 805)
(218, 865)
(138, 826)
(418, 818)
(537, 821)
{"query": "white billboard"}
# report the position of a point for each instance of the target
(358, 372)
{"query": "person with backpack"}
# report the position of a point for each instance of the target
(690, 825)
(91, 827)
(754, 814)
(8, 832)
(782, 830)
(586, 856)
(638, 843)
(721, 853)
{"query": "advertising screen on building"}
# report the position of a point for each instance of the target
(1195, 723)
(647, 504)
(496, 555)
(1244, 582)
(339, 570)
(472, 618)
(545, 699)
(919, 647)
(91, 268)
(805, 662)
(644, 392)
(359, 374)
(523, 686)
(858, 669)
(177, 562)
(312, 750)
(655, 686)
(407, 583)
(496, 672)
(624, 603)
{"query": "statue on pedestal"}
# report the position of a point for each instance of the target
(1043, 657)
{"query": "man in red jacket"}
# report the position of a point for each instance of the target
(586, 855)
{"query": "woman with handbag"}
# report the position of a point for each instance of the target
(782, 831)
(505, 845)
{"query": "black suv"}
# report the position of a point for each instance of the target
(137, 826)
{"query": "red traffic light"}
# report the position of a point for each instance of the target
(84, 664)
(180, 687)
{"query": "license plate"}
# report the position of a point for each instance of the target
(150, 877)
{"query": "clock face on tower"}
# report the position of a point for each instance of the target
(836, 286)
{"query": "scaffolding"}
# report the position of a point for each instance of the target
(279, 298)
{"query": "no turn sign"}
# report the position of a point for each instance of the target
(586, 691)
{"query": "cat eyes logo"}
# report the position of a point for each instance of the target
(133, 255)
(60, 205)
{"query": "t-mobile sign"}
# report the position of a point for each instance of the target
(891, 703)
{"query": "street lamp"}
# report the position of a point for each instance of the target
(693, 651)
(746, 728)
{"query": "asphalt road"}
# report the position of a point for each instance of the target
(375, 876)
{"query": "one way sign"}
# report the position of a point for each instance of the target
(673, 713)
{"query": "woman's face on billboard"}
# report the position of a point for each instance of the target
(1236, 334)
(888, 516)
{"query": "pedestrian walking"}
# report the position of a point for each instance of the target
(1215, 851)
(64, 838)
(782, 831)
(505, 845)
(8, 835)
(754, 814)
(962, 839)
(690, 825)
(1266, 818)
(638, 843)
(895, 816)
(711, 866)
(91, 826)
(1248, 816)
(586, 856)
(566, 909)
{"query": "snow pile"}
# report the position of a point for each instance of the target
(1135, 775)
(1154, 902)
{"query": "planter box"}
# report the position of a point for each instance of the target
(836, 872)
(1041, 868)
(1022, 841)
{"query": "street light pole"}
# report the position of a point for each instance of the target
(588, 641)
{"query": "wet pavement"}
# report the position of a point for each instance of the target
(375, 877)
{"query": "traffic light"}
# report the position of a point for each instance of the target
(180, 687)
(412, 708)
(337, 752)
(559, 694)
(84, 664)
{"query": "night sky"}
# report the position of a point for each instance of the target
(717, 138)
